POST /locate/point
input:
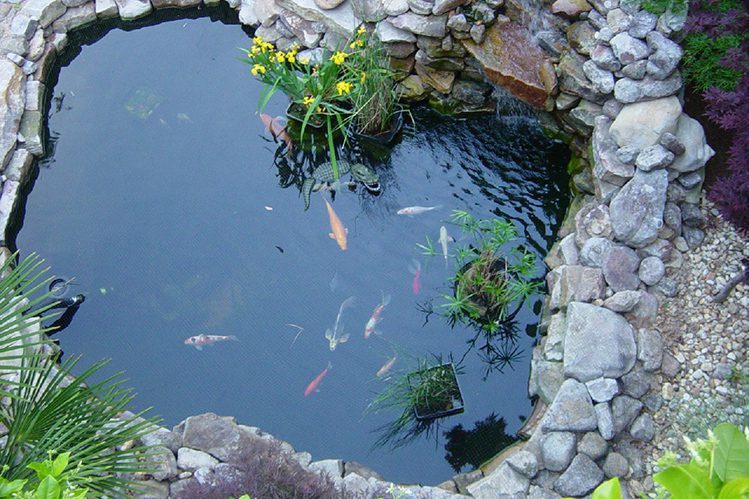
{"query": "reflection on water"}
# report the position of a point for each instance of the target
(472, 448)
(186, 218)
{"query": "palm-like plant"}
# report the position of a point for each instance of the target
(45, 409)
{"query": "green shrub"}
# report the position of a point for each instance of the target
(701, 62)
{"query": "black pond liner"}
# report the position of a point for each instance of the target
(453, 406)
(383, 138)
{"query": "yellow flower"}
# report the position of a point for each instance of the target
(308, 99)
(359, 43)
(361, 30)
(255, 49)
(258, 68)
(343, 87)
(291, 56)
(319, 109)
(280, 56)
(352, 45)
(338, 58)
(363, 76)
(258, 40)
(304, 60)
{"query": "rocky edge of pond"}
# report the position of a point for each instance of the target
(608, 74)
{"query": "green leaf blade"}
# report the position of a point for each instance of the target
(731, 459)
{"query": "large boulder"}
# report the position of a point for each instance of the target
(502, 482)
(597, 343)
(340, 20)
(512, 59)
(697, 152)
(581, 477)
(637, 209)
(12, 99)
(572, 409)
(641, 124)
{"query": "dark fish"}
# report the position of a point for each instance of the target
(279, 249)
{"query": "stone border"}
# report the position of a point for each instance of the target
(640, 178)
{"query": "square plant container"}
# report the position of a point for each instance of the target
(435, 392)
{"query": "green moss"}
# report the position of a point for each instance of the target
(576, 164)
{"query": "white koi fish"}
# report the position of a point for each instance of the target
(336, 336)
(443, 240)
(416, 210)
(375, 318)
(202, 340)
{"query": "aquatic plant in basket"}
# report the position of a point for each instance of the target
(494, 274)
(429, 392)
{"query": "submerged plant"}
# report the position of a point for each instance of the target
(47, 409)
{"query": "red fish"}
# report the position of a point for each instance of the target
(202, 340)
(277, 128)
(415, 269)
(375, 318)
(313, 384)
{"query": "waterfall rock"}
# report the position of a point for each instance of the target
(628, 90)
(690, 133)
(340, 20)
(434, 26)
(641, 124)
(512, 59)
(637, 210)
(12, 100)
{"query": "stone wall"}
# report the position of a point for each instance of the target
(608, 73)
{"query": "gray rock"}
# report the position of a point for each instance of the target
(571, 410)
(722, 371)
(191, 459)
(45, 11)
(693, 236)
(395, 7)
(641, 124)
(653, 402)
(603, 56)
(628, 90)
(615, 465)
(12, 103)
(692, 216)
(593, 445)
(330, 467)
(582, 476)
(303, 30)
(643, 22)
(459, 23)
(620, 269)
(421, 7)
(612, 107)
(340, 21)
(133, 9)
(387, 33)
(372, 11)
(602, 389)
(463, 480)
(554, 343)
(75, 17)
(584, 115)
(350, 467)
(670, 367)
(573, 80)
(651, 270)
(623, 301)
(440, 63)
(592, 220)
(624, 410)
(502, 482)
(637, 210)
(478, 32)
(565, 102)
(537, 492)
(558, 449)
(23, 25)
(627, 155)
(665, 55)
(605, 420)
(31, 131)
(595, 251)
(637, 382)
(581, 36)
(216, 435)
(524, 462)
(643, 428)
(356, 486)
(546, 379)
(602, 79)
(598, 343)
(574, 283)
(568, 249)
(164, 462)
(618, 20)
(692, 180)
(163, 437)
(628, 49)
(672, 218)
(19, 167)
(435, 26)
(667, 287)
(443, 6)
(653, 157)
(672, 143)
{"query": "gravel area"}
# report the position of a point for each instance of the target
(705, 379)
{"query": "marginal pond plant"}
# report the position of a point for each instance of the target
(421, 396)
(45, 409)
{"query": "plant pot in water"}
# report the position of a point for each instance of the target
(385, 137)
(488, 309)
(296, 112)
(435, 392)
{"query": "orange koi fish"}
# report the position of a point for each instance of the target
(313, 384)
(338, 230)
(386, 367)
(202, 340)
(375, 318)
(277, 128)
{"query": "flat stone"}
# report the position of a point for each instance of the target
(441, 81)
(575, 283)
(602, 389)
(573, 81)
(183, 4)
(443, 6)
(458, 23)
(690, 133)
(387, 33)
(637, 210)
(266, 11)
(435, 26)
(643, 22)
(582, 476)
(628, 90)
(440, 63)
(524, 462)
(412, 88)
(593, 445)
(19, 167)
(75, 17)
(615, 465)
(216, 436)
(624, 410)
(106, 9)
(502, 482)
(304, 30)
(554, 344)
(603, 56)
(12, 103)
(571, 410)
(602, 79)
(45, 11)
(672, 143)
(618, 20)
(633, 71)
(32, 130)
(9, 200)
(511, 58)
(133, 9)
(582, 37)
(164, 462)
(598, 343)
(247, 15)
(558, 449)
(641, 124)
(24, 25)
(570, 8)
(623, 301)
(654, 157)
(643, 428)
(191, 459)
(163, 437)
(372, 11)
(620, 269)
(395, 7)
(330, 467)
(340, 20)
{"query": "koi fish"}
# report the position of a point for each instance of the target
(338, 231)
(443, 240)
(277, 128)
(416, 210)
(336, 336)
(415, 269)
(313, 384)
(386, 367)
(375, 318)
(202, 340)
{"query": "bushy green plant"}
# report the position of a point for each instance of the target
(494, 274)
(701, 62)
(46, 409)
(52, 481)
(719, 467)
(658, 7)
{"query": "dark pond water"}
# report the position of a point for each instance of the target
(158, 200)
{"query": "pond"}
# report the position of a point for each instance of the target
(169, 205)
